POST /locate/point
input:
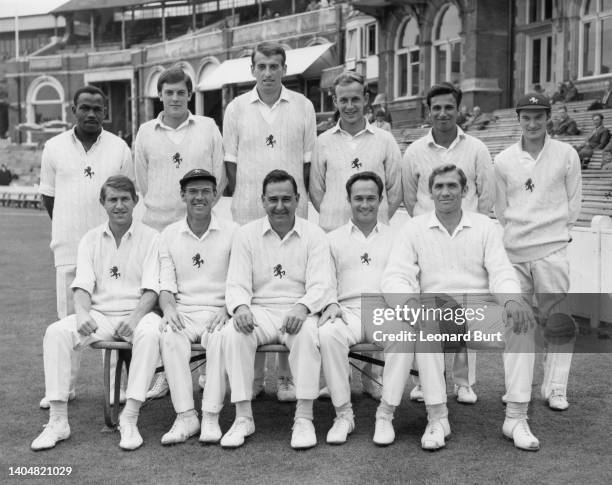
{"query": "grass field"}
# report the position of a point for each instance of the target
(576, 444)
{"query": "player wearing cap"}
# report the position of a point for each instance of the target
(278, 280)
(454, 252)
(267, 128)
(539, 192)
(74, 166)
(115, 289)
(194, 256)
(359, 250)
(171, 145)
(447, 143)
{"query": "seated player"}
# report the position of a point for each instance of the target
(451, 251)
(115, 289)
(279, 278)
(194, 256)
(359, 252)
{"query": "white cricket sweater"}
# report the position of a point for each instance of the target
(538, 201)
(258, 147)
(160, 164)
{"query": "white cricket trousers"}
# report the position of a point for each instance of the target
(176, 353)
(62, 340)
(336, 338)
(548, 279)
(518, 358)
(237, 355)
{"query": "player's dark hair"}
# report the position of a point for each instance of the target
(450, 167)
(172, 76)
(88, 89)
(350, 77)
(364, 176)
(269, 49)
(118, 182)
(276, 176)
(444, 88)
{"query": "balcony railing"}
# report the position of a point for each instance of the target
(109, 58)
(44, 63)
(179, 48)
(323, 20)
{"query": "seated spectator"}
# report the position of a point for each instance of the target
(606, 156)
(5, 175)
(380, 121)
(564, 124)
(463, 117)
(267, 14)
(571, 91)
(369, 114)
(537, 88)
(606, 99)
(312, 6)
(559, 95)
(596, 140)
(325, 124)
(380, 102)
(478, 120)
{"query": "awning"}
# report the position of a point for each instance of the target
(306, 61)
(76, 5)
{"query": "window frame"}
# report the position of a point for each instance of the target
(445, 44)
(597, 20)
(407, 51)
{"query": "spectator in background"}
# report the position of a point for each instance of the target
(369, 114)
(380, 102)
(559, 95)
(539, 89)
(5, 175)
(380, 121)
(312, 6)
(478, 120)
(463, 116)
(596, 140)
(571, 91)
(564, 124)
(606, 99)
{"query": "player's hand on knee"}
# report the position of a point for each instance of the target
(331, 312)
(85, 324)
(520, 315)
(243, 319)
(295, 318)
(218, 320)
(125, 330)
(173, 320)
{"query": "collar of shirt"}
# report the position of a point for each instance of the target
(212, 226)
(254, 97)
(465, 221)
(432, 143)
(355, 231)
(159, 122)
(526, 155)
(297, 229)
(107, 230)
(368, 129)
(76, 140)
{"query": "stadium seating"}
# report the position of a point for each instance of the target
(17, 196)
(596, 184)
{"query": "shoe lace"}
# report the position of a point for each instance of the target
(283, 383)
(557, 393)
(300, 425)
(524, 427)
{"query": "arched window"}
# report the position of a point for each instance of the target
(45, 101)
(595, 38)
(407, 59)
(446, 62)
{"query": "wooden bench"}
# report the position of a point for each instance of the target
(124, 356)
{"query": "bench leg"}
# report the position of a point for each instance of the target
(107, 407)
(111, 413)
